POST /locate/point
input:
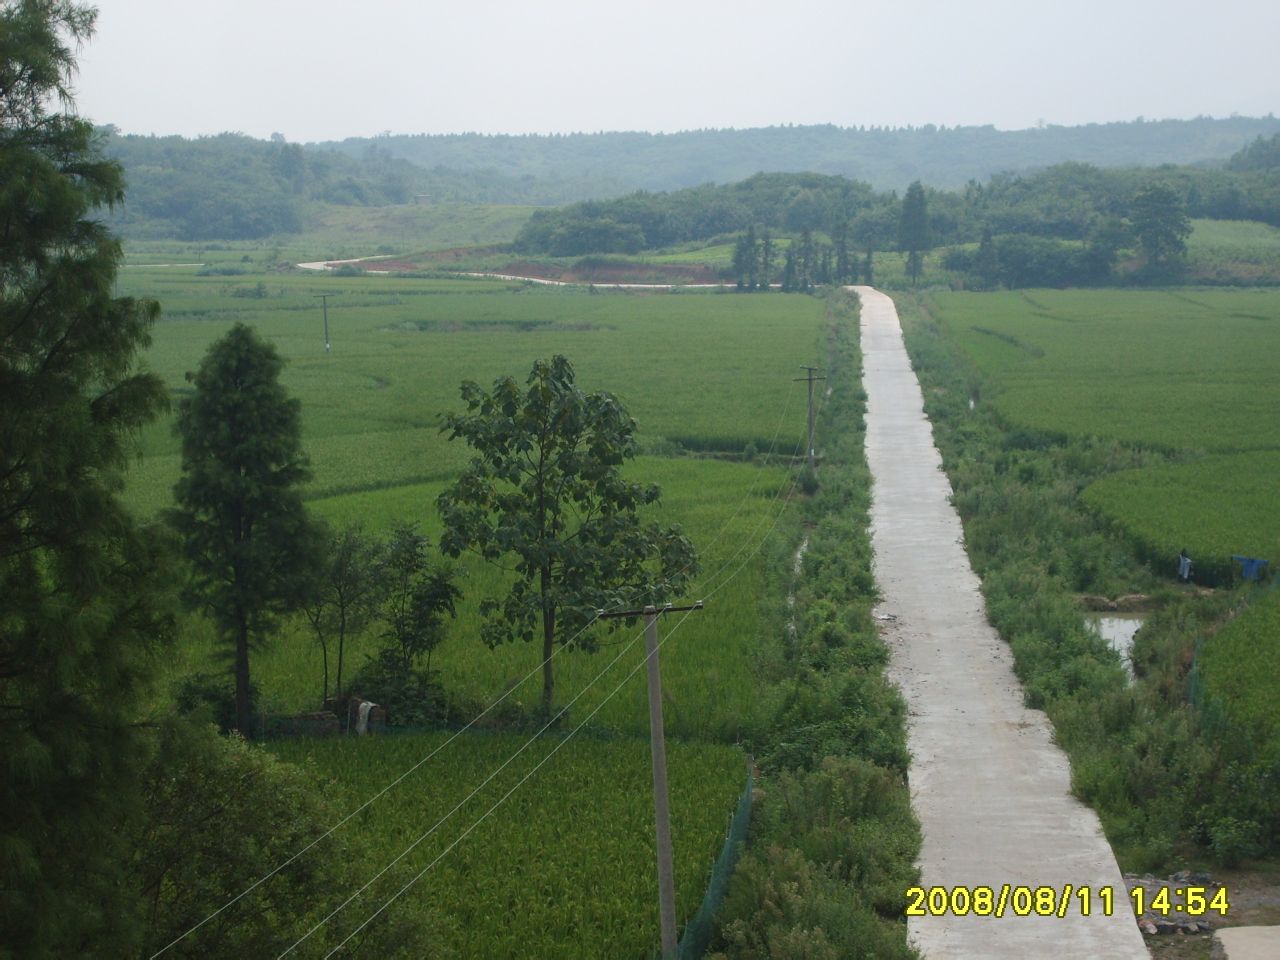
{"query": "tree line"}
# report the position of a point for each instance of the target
(888, 158)
(1065, 225)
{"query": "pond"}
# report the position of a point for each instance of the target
(1118, 630)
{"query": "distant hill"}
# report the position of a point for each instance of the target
(585, 166)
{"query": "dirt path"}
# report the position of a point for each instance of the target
(990, 787)
(325, 265)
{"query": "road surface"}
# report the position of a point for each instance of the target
(990, 787)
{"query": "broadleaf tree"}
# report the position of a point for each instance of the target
(253, 550)
(345, 596)
(83, 607)
(415, 599)
(544, 494)
(1159, 218)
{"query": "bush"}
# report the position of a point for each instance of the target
(412, 698)
(211, 697)
(220, 813)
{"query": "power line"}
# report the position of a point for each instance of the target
(528, 743)
(503, 799)
(398, 780)
(538, 766)
(538, 667)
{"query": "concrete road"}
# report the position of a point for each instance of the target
(990, 787)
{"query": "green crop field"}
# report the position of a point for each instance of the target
(1214, 508)
(702, 371)
(1233, 251)
(709, 379)
(332, 232)
(1179, 370)
(565, 867)
(1189, 372)
(708, 665)
(1239, 668)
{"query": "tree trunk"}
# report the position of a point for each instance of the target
(244, 709)
(548, 644)
(342, 640)
(324, 657)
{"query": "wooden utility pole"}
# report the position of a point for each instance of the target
(324, 298)
(658, 748)
(811, 379)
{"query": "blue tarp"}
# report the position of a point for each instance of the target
(1250, 567)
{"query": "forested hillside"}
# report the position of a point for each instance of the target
(234, 187)
(610, 164)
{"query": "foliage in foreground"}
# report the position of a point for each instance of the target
(83, 605)
(833, 839)
(221, 814)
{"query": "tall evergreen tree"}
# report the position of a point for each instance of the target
(767, 255)
(252, 548)
(986, 265)
(81, 615)
(914, 237)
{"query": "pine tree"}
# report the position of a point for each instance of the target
(766, 261)
(82, 609)
(252, 548)
(913, 230)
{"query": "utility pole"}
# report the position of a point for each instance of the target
(657, 746)
(811, 379)
(324, 298)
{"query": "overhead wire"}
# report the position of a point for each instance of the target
(503, 799)
(540, 665)
(377, 796)
(788, 488)
(528, 743)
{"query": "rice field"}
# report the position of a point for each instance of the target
(1239, 668)
(564, 867)
(1180, 370)
(1214, 508)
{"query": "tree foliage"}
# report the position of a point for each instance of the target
(345, 596)
(82, 612)
(239, 509)
(416, 599)
(1160, 223)
(914, 235)
(545, 492)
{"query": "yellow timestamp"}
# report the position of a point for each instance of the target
(1192, 901)
(1021, 900)
(1010, 900)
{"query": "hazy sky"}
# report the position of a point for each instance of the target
(327, 70)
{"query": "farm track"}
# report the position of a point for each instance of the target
(543, 281)
(989, 785)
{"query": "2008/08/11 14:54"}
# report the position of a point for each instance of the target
(1045, 901)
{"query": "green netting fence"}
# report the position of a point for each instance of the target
(697, 932)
